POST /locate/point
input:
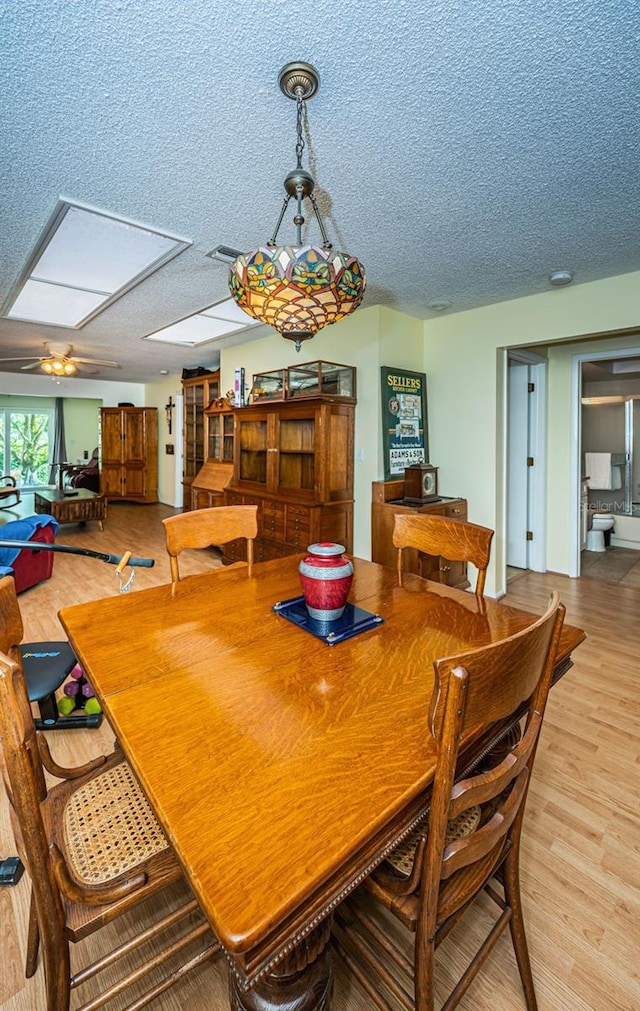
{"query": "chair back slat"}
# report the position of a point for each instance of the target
(202, 528)
(455, 540)
(475, 846)
(477, 790)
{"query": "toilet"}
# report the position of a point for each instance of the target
(596, 535)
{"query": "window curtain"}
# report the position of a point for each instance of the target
(59, 445)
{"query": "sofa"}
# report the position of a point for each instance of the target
(26, 566)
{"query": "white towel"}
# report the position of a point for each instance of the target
(598, 469)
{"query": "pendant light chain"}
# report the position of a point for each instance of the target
(300, 146)
(297, 289)
(300, 140)
(299, 217)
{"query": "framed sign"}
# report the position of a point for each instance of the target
(404, 420)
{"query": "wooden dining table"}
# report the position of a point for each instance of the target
(282, 769)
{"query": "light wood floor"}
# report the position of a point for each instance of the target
(580, 851)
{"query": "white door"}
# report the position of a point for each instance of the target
(526, 463)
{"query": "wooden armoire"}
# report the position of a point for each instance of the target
(129, 453)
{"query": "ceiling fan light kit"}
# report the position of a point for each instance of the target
(297, 289)
(58, 367)
(59, 361)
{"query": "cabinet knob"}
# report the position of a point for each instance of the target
(445, 568)
(456, 512)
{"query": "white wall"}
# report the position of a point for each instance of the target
(169, 465)
(110, 393)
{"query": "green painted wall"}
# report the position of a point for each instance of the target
(81, 427)
(464, 366)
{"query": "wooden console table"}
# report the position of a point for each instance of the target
(77, 508)
(386, 503)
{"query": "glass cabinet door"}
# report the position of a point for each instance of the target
(296, 454)
(227, 438)
(214, 443)
(193, 429)
(219, 436)
(253, 450)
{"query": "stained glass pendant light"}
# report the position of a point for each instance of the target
(297, 289)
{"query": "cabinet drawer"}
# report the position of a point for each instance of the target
(456, 510)
(452, 573)
(234, 498)
(298, 527)
(265, 550)
(272, 520)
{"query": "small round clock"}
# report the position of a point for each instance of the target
(421, 482)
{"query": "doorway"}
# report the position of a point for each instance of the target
(617, 367)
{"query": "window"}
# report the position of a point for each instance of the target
(26, 445)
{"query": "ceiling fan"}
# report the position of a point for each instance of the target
(58, 361)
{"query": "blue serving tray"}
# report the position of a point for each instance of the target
(353, 620)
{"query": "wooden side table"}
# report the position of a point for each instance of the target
(386, 502)
(78, 508)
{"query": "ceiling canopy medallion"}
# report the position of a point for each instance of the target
(297, 289)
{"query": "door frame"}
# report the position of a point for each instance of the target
(576, 442)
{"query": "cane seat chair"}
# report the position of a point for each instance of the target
(204, 528)
(456, 540)
(441, 870)
(93, 850)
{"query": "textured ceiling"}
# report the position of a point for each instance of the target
(462, 149)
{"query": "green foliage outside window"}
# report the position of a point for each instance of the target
(28, 449)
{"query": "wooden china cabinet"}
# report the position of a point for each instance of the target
(197, 394)
(386, 502)
(294, 460)
(207, 488)
(129, 453)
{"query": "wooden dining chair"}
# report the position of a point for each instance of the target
(202, 528)
(471, 843)
(93, 850)
(455, 540)
(9, 489)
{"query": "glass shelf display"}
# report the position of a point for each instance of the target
(268, 386)
(321, 379)
(220, 435)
